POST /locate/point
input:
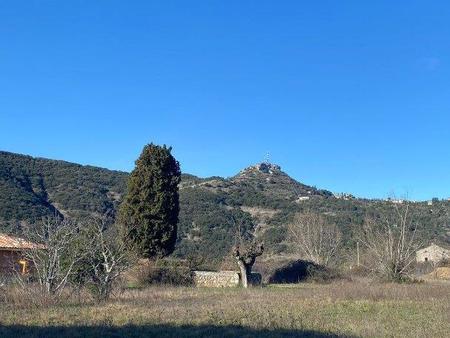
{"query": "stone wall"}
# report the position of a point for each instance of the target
(223, 279)
(220, 279)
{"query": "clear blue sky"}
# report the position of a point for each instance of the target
(351, 96)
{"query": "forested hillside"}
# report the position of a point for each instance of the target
(34, 187)
(261, 199)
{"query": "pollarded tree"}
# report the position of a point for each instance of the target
(149, 212)
(245, 251)
(246, 256)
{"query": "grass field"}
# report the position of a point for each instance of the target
(333, 310)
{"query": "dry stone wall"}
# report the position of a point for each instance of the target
(220, 279)
(223, 279)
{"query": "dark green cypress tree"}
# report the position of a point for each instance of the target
(149, 212)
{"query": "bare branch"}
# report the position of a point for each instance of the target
(314, 239)
(392, 242)
(53, 259)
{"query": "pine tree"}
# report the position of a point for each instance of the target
(149, 212)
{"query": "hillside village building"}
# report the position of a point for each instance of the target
(433, 253)
(12, 251)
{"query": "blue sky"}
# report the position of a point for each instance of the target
(351, 96)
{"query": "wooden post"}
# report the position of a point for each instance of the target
(357, 253)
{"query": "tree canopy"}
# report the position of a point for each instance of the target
(149, 212)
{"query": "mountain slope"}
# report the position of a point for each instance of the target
(261, 199)
(34, 187)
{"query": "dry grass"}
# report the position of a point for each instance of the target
(345, 308)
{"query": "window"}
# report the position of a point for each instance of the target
(23, 266)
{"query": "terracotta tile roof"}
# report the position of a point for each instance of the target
(14, 243)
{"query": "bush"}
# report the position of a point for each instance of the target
(444, 263)
(358, 271)
(168, 272)
(301, 271)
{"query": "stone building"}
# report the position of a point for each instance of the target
(12, 254)
(433, 253)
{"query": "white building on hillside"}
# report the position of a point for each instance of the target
(433, 253)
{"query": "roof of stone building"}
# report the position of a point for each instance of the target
(433, 247)
(15, 243)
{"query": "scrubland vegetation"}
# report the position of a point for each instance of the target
(342, 308)
(128, 271)
(34, 187)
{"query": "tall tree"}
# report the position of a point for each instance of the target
(149, 212)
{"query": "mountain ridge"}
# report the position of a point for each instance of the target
(260, 198)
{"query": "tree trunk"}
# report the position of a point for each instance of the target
(246, 260)
(244, 275)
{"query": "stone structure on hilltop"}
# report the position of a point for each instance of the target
(265, 168)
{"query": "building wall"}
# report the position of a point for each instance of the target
(432, 254)
(9, 261)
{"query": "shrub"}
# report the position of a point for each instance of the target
(301, 271)
(444, 263)
(358, 271)
(167, 272)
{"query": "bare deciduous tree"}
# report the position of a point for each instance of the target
(392, 243)
(314, 239)
(106, 257)
(53, 259)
